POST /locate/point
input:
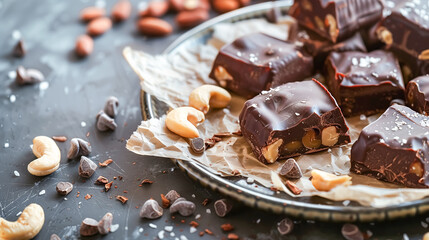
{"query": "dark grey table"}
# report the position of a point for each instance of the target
(75, 90)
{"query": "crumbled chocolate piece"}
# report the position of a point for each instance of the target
(285, 226)
(222, 207)
(290, 169)
(146, 181)
(54, 237)
(104, 122)
(111, 107)
(197, 145)
(208, 231)
(293, 188)
(19, 49)
(227, 227)
(105, 224)
(351, 232)
(78, 147)
(233, 236)
(105, 163)
(172, 196)
(60, 138)
(64, 188)
(89, 227)
(122, 199)
(101, 180)
(165, 202)
(151, 210)
(108, 186)
(194, 224)
(28, 76)
(183, 207)
(87, 167)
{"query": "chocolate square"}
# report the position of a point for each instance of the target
(364, 83)
(394, 148)
(292, 119)
(336, 20)
(417, 93)
(259, 62)
(406, 32)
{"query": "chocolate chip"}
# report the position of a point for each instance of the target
(78, 147)
(86, 167)
(101, 180)
(222, 207)
(104, 122)
(111, 107)
(64, 188)
(151, 210)
(28, 76)
(89, 227)
(54, 237)
(105, 223)
(397, 101)
(291, 169)
(183, 207)
(351, 232)
(285, 226)
(197, 145)
(19, 49)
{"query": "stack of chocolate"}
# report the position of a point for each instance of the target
(292, 115)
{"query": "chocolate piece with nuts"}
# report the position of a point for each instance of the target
(336, 20)
(89, 227)
(257, 62)
(222, 207)
(417, 94)
(394, 148)
(28, 76)
(105, 223)
(78, 147)
(183, 207)
(288, 121)
(151, 210)
(86, 167)
(104, 122)
(405, 31)
(364, 83)
(64, 188)
(290, 169)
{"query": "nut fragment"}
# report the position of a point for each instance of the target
(311, 139)
(424, 55)
(78, 147)
(48, 154)
(151, 210)
(184, 207)
(105, 122)
(183, 121)
(111, 106)
(28, 225)
(293, 188)
(105, 223)
(332, 24)
(292, 146)
(324, 181)
(384, 35)
(206, 96)
(271, 152)
(330, 136)
(222, 76)
(417, 168)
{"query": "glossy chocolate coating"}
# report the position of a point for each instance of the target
(417, 94)
(364, 83)
(394, 148)
(259, 62)
(287, 112)
(349, 15)
(320, 48)
(408, 25)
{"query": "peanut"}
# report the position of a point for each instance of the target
(121, 10)
(206, 96)
(28, 225)
(330, 136)
(324, 181)
(84, 45)
(183, 121)
(99, 26)
(311, 139)
(48, 154)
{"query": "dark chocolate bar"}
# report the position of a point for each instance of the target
(394, 148)
(417, 93)
(320, 48)
(292, 119)
(259, 62)
(406, 32)
(336, 20)
(364, 83)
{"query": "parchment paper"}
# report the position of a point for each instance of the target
(172, 78)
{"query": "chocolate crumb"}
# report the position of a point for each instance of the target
(122, 199)
(146, 181)
(87, 196)
(105, 163)
(60, 138)
(194, 224)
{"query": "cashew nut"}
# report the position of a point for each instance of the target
(26, 227)
(183, 121)
(206, 96)
(324, 181)
(48, 154)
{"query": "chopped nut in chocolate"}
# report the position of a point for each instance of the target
(151, 210)
(64, 188)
